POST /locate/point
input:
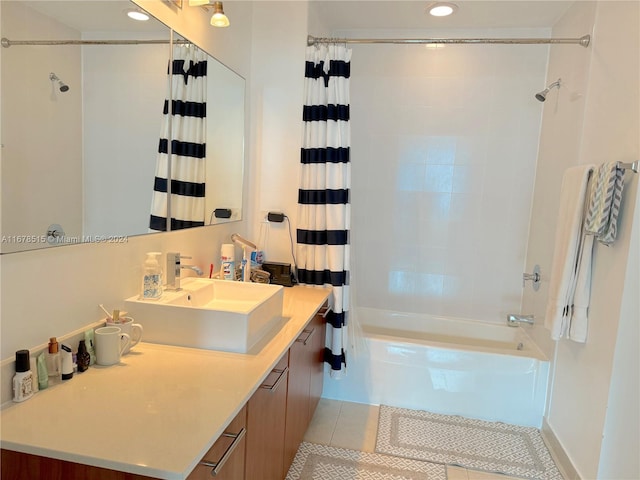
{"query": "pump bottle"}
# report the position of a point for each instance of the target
(152, 277)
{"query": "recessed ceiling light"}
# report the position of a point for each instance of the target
(136, 14)
(442, 9)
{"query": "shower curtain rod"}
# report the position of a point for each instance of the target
(584, 40)
(6, 43)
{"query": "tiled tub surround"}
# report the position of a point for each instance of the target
(157, 412)
(438, 364)
(443, 172)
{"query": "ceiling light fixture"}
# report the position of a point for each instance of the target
(442, 9)
(219, 19)
(136, 14)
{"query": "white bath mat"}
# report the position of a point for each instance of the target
(321, 462)
(475, 444)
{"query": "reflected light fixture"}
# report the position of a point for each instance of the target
(218, 19)
(442, 9)
(136, 14)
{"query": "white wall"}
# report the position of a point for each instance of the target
(444, 144)
(277, 81)
(595, 119)
(619, 457)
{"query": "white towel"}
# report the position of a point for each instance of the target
(579, 322)
(569, 243)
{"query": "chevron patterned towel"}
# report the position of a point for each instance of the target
(601, 218)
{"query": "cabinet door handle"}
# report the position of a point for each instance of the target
(273, 387)
(309, 335)
(217, 466)
(324, 311)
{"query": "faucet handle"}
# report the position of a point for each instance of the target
(534, 277)
(174, 257)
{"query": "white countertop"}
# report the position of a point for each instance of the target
(157, 412)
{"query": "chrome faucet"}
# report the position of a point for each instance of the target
(514, 320)
(173, 270)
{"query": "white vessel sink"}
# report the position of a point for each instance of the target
(211, 314)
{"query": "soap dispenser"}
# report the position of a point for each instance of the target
(152, 277)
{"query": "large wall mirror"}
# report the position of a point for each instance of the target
(81, 125)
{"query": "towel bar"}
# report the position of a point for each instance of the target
(629, 166)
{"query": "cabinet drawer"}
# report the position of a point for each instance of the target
(225, 459)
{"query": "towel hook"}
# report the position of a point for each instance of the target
(534, 277)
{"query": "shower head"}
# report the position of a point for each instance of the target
(63, 87)
(542, 96)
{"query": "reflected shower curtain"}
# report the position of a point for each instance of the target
(187, 121)
(323, 197)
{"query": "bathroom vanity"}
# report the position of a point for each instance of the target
(165, 409)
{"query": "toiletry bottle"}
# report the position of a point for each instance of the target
(228, 262)
(53, 359)
(88, 341)
(84, 359)
(152, 276)
(33, 366)
(43, 375)
(67, 363)
(23, 379)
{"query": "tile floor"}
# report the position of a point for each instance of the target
(354, 426)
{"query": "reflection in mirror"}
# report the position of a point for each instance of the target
(206, 134)
(84, 157)
(225, 144)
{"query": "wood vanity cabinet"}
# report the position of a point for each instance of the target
(226, 456)
(279, 413)
(306, 373)
(225, 459)
(24, 466)
(266, 411)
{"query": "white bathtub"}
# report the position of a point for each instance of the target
(443, 365)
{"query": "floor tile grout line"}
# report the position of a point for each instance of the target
(335, 424)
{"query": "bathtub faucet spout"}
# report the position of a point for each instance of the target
(513, 320)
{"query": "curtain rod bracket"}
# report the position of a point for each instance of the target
(585, 40)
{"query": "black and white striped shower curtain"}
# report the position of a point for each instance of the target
(187, 118)
(323, 197)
